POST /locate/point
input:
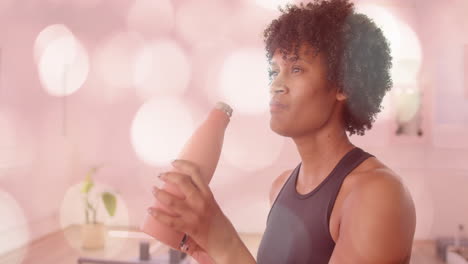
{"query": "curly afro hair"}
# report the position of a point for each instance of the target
(357, 53)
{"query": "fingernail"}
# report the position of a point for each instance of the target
(162, 176)
(155, 190)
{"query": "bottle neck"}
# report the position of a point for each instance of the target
(218, 117)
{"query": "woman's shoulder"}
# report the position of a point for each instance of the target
(373, 174)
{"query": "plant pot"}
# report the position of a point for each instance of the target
(93, 236)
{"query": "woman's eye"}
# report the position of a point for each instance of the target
(272, 74)
(297, 69)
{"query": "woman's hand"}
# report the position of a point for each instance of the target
(198, 214)
(198, 253)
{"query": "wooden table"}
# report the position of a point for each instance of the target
(55, 248)
(64, 247)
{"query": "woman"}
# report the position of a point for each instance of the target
(329, 72)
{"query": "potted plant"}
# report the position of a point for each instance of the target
(93, 233)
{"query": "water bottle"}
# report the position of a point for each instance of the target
(204, 149)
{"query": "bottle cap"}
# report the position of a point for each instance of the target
(224, 107)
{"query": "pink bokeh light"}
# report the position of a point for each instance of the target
(254, 148)
(200, 22)
(243, 81)
(63, 63)
(115, 60)
(13, 227)
(159, 130)
(162, 68)
(151, 18)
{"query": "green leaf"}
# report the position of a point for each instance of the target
(110, 202)
(93, 170)
(88, 182)
(87, 186)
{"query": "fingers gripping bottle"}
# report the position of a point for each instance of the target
(204, 149)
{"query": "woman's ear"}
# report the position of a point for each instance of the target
(340, 96)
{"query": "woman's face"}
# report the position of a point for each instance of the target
(302, 99)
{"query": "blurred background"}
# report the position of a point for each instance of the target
(105, 93)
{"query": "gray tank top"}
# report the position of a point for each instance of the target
(297, 230)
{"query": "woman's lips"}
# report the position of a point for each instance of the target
(276, 107)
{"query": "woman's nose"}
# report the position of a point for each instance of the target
(279, 90)
(278, 86)
(274, 89)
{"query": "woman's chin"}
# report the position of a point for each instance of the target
(278, 128)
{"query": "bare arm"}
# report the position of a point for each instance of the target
(377, 224)
(236, 253)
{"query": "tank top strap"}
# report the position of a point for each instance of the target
(290, 178)
(353, 159)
